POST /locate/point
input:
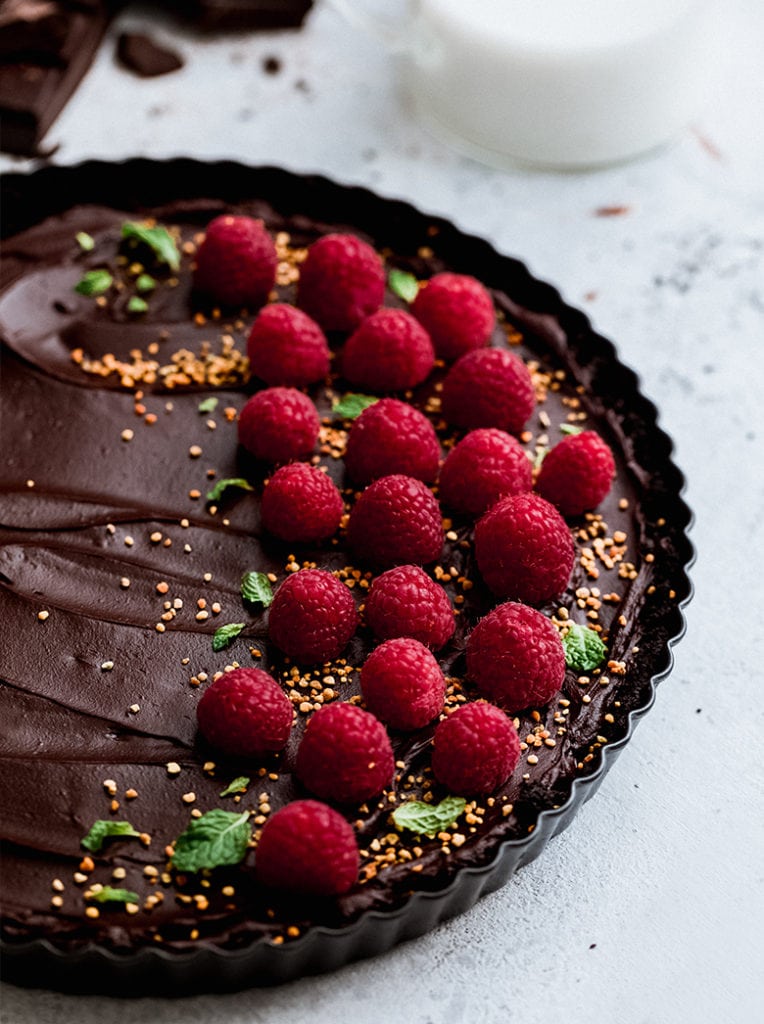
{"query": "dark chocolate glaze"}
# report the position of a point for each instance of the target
(67, 724)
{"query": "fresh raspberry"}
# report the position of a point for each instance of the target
(475, 749)
(524, 549)
(402, 684)
(486, 465)
(488, 388)
(245, 713)
(341, 282)
(345, 755)
(236, 262)
(396, 520)
(458, 313)
(312, 617)
(405, 602)
(301, 504)
(577, 473)
(307, 847)
(392, 437)
(390, 351)
(515, 657)
(286, 347)
(279, 424)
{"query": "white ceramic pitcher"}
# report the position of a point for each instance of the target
(556, 83)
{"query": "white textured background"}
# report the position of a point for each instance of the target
(648, 910)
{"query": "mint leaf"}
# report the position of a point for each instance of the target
(217, 838)
(583, 648)
(403, 284)
(159, 240)
(256, 588)
(209, 404)
(428, 819)
(94, 282)
(222, 486)
(85, 241)
(237, 786)
(225, 634)
(101, 830)
(145, 283)
(109, 895)
(570, 428)
(350, 406)
(137, 305)
(539, 457)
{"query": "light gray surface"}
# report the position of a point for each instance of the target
(648, 909)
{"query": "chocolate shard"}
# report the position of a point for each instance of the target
(140, 54)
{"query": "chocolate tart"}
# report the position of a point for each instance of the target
(99, 485)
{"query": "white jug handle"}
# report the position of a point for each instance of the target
(389, 32)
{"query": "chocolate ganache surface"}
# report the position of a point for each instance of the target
(108, 552)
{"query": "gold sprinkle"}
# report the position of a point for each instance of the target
(173, 768)
(107, 666)
(43, 615)
(124, 582)
(128, 435)
(194, 451)
(188, 798)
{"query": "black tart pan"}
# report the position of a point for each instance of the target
(557, 335)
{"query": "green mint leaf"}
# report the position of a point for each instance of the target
(350, 406)
(403, 284)
(428, 819)
(222, 485)
(159, 240)
(583, 648)
(94, 282)
(145, 283)
(209, 404)
(109, 895)
(85, 241)
(539, 457)
(256, 588)
(215, 839)
(137, 305)
(570, 428)
(237, 786)
(225, 634)
(101, 830)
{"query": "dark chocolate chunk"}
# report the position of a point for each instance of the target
(140, 54)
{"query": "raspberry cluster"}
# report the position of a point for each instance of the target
(522, 546)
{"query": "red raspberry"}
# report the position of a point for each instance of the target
(307, 847)
(486, 465)
(402, 684)
(458, 313)
(345, 755)
(341, 282)
(396, 520)
(392, 437)
(524, 549)
(245, 713)
(577, 473)
(405, 602)
(279, 424)
(312, 617)
(286, 347)
(515, 657)
(236, 262)
(475, 749)
(301, 504)
(489, 388)
(390, 351)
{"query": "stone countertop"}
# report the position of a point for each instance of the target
(648, 909)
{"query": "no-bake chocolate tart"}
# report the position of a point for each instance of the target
(117, 420)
